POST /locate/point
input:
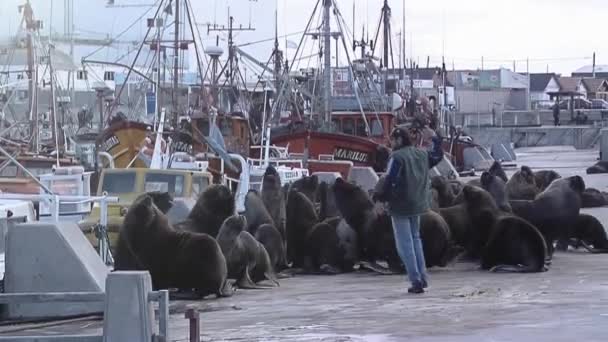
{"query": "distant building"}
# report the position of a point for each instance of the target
(594, 88)
(540, 87)
(601, 71)
(485, 91)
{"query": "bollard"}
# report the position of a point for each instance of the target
(195, 329)
(128, 313)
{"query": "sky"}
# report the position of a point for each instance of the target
(558, 35)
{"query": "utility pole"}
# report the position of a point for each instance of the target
(594, 65)
(528, 102)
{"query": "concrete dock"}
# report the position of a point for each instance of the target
(463, 303)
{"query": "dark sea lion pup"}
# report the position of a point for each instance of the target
(268, 236)
(301, 218)
(308, 185)
(514, 245)
(273, 198)
(522, 186)
(247, 259)
(589, 233)
(593, 198)
(599, 168)
(497, 170)
(256, 212)
(174, 258)
(124, 259)
(213, 206)
(544, 178)
(554, 211)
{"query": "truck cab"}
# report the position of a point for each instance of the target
(128, 184)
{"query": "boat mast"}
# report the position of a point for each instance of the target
(386, 16)
(53, 102)
(176, 65)
(278, 58)
(159, 24)
(31, 26)
(327, 62)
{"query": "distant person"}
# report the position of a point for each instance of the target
(408, 193)
(556, 114)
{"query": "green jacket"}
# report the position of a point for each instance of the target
(408, 182)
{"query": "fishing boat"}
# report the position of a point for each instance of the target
(348, 112)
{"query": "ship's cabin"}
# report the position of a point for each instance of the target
(353, 123)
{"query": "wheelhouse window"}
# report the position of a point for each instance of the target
(361, 128)
(226, 127)
(173, 184)
(203, 126)
(118, 183)
(376, 127)
(337, 124)
(348, 126)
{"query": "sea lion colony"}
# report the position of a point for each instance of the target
(503, 225)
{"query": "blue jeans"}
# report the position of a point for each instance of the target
(409, 247)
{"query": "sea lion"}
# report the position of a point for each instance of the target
(514, 245)
(174, 258)
(589, 232)
(307, 185)
(273, 199)
(256, 212)
(272, 240)
(598, 168)
(497, 170)
(445, 194)
(212, 207)
(593, 198)
(554, 210)
(434, 231)
(247, 259)
(357, 208)
(522, 186)
(327, 201)
(434, 199)
(162, 200)
(470, 221)
(301, 218)
(124, 259)
(495, 186)
(544, 178)
(332, 246)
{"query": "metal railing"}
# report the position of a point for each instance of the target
(162, 297)
(54, 202)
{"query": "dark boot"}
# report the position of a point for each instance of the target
(416, 288)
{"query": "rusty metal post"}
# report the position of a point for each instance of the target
(195, 329)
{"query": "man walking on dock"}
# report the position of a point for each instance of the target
(407, 190)
(556, 114)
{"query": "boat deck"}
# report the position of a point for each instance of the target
(567, 303)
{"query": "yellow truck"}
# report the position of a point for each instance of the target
(127, 184)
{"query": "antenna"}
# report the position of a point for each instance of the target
(232, 60)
